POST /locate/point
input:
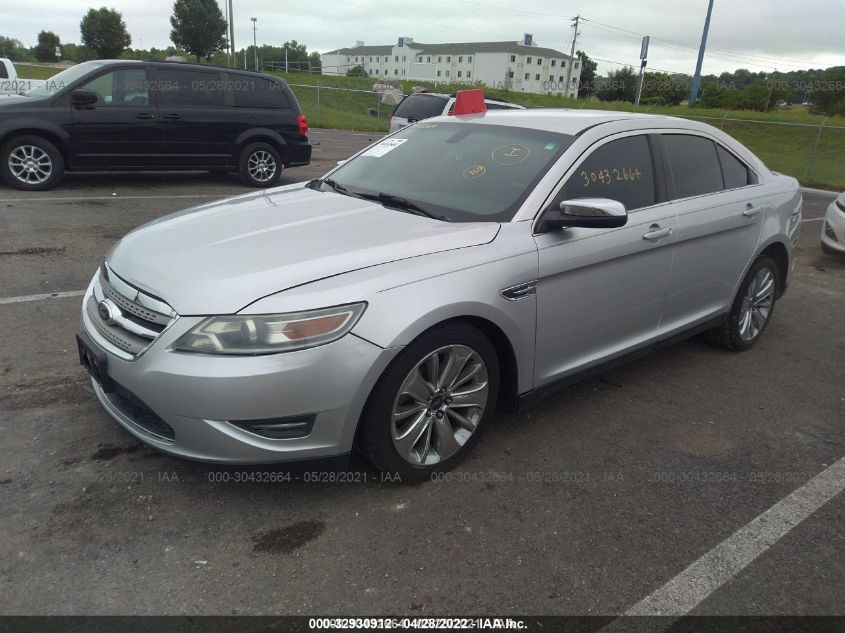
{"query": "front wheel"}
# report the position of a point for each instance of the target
(752, 308)
(432, 402)
(31, 163)
(260, 165)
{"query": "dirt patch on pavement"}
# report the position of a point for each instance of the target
(287, 539)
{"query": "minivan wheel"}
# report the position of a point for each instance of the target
(261, 165)
(752, 308)
(432, 402)
(31, 163)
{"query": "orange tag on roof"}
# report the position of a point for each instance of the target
(469, 102)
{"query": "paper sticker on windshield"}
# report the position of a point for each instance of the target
(476, 171)
(510, 154)
(385, 146)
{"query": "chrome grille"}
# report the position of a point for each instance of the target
(134, 319)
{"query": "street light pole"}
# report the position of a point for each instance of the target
(232, 36)
(696, 80)
(255, 40)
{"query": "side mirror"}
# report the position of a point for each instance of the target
(83, 98)
(596, 213)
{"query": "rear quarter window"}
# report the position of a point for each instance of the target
(420, 106)
(734, 171)
(255, 92)
(694, 165)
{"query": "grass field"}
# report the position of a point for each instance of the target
(784, 148)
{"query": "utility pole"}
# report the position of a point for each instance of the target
(696, 80)
(572, 56)
(232, 35)
(255, 40)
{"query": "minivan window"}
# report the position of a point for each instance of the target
(620, 170)
(124, 87)
(694, 165)
(255, 92)
(420, 106)
(734, 171)
(179, 87)
(468, 173)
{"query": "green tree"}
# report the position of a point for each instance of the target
(198, 27)
(619, 85)
(663, 89)
(828, 97)
(45, 51)
(587, 83)
(104, 31)
(356, 71)
(316, 61)
(13, 49)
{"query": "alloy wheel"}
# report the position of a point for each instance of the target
(261, 165)
(756, 304)
(439, 405)
(30, 164)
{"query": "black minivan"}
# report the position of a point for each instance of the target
(112, 115)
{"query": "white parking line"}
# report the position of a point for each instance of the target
(49, 295)
(721, 564)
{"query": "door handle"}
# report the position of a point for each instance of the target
(750, 211)
(172, 117)
(655, 232)
(145, 115)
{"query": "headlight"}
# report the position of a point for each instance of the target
(270, 333)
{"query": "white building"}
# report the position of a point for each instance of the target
(516, 65)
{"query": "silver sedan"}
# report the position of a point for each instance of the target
(459, 265)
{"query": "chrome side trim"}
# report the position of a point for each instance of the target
(520, 291)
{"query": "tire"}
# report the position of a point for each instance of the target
(257, 157)
(445, 430)
(31, 163)
(759, 285)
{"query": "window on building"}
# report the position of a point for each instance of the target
(469, 74)
(385, 71)
(403, 71)
(551, 78)
(576, 66)
(554, 61)
(537, 76)
(539, 60)
(513, 58)
(428, 59)
(395, 71)
(561, 79)
(527, 76)
(460, 72)
(527, 60)
(397, 58)
(469, 59)
(563, 64)
(386, 58)
(510, 74)
(419, 59)
(371, 58)
(461, 59)
(348, 59)
(438, 73)
(447, 73)
(448, 58)
(439, 58)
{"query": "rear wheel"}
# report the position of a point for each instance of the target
(752, 308)
(31, 163)
(260, 165)
(429, 407)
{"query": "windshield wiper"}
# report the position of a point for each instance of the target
(399, 202)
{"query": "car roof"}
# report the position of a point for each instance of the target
(161, 62)
(570, 121)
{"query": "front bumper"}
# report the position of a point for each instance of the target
(833, 228)
(185, 404)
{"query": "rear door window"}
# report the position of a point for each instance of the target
(420, 106)
(181, 87)
(255, 92)
(694, 165)
(734, 171)
(620, 170)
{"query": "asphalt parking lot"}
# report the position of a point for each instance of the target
(586, 504)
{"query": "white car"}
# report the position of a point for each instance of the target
(833, 230)
(424, 105)
(10, 83)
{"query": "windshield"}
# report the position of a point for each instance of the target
(61, 80)
(466, 172)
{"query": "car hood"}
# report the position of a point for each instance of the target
(220, 257)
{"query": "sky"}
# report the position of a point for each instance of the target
(755, 34)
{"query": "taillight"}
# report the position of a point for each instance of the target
(303, 124)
